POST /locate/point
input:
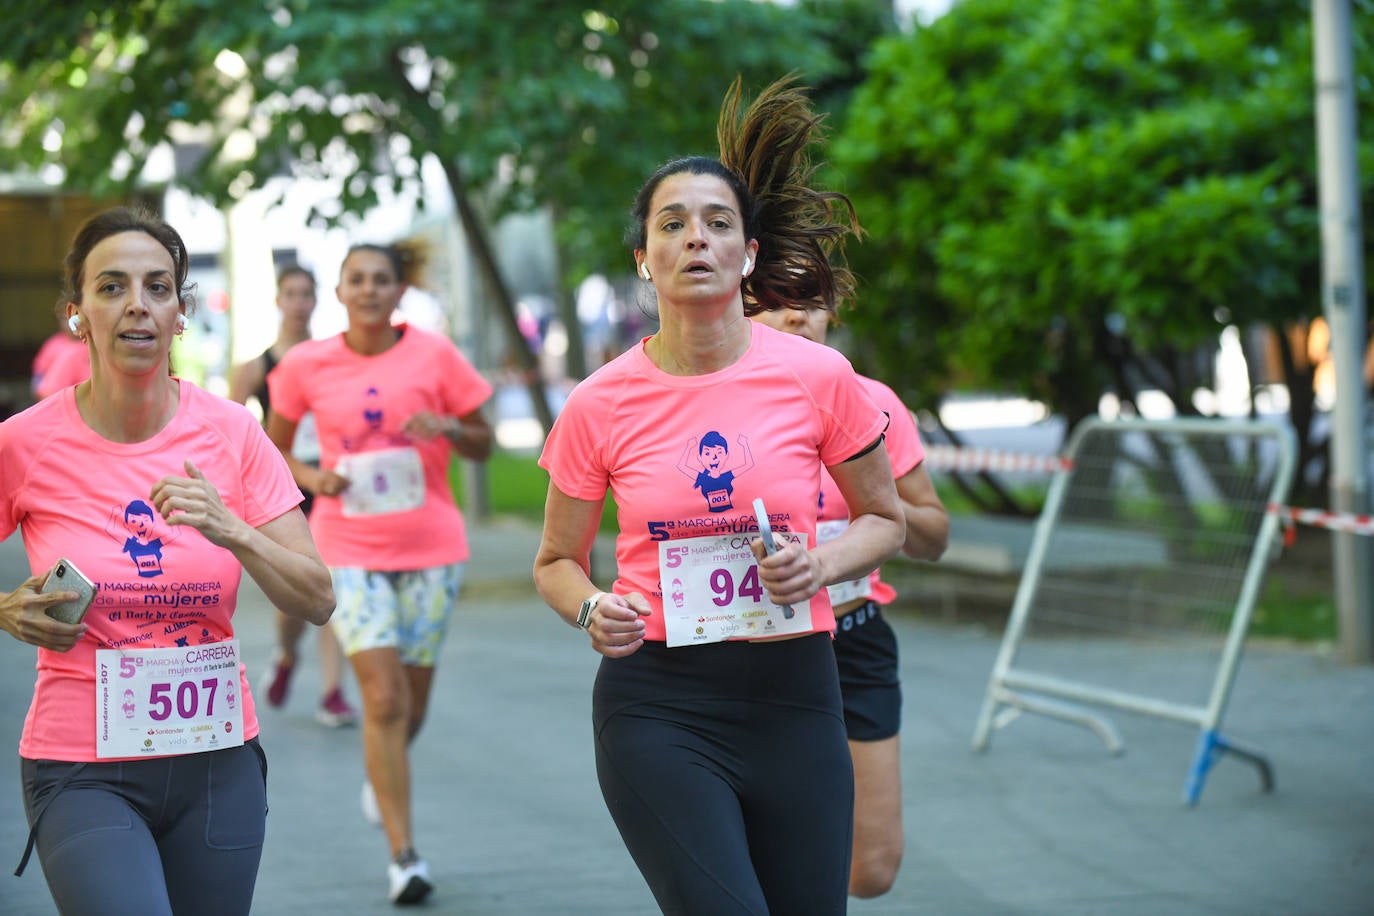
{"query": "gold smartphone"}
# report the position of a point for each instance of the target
(64, 577)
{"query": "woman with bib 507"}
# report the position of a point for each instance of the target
(144, 784)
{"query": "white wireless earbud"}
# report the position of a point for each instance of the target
(644, 271)
(74, 324)
(744, 271)
(181, 323)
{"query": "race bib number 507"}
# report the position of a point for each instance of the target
(180, 700)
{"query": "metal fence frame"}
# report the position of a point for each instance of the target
(1012, 690)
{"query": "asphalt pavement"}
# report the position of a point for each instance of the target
(1045, 822)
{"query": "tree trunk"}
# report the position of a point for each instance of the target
(565, 301)
(474, 228)
(1298, 376)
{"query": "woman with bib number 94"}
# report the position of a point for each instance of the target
(144, 783)
(719, 737)
(392, 403)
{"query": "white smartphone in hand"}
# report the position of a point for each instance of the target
(769, 544)
(65, 577)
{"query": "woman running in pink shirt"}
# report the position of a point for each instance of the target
(144, 783)
(719, 732)
(392, 403)
(865, 645)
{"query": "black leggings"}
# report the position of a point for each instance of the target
(150, 837)
(726, 769)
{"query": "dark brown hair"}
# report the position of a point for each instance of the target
(637, 235)
(112, 222)
(294, 270)
(801, 229)
(408, 258)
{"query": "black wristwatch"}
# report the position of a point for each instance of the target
(585, 611)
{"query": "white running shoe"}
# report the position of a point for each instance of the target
(368, 801)
(410, 882)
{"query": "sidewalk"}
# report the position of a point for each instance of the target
(1046, 822)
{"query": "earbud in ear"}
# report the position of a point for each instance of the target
(644, 271)
(181, 323)
(744, 271)
(74, 324)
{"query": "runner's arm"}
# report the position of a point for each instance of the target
(927, 522)
(562, 576)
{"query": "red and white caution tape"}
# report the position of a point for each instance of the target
(953, 458)
(1321, 518)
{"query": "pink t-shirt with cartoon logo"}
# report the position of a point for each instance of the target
(360, 404)
(76, 495)
(685, 456)
(904, 450)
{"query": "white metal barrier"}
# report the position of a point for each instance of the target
(1155, 538)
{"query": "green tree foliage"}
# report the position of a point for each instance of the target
(564, 104)
(1068, 197)
(555, 101)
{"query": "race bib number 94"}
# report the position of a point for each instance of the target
(155, 702)
(712, 591)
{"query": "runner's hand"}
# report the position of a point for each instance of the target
(194, 501)
(329, 483)
(616, 624)
(791, 576)
(426, 425)
(22, 616)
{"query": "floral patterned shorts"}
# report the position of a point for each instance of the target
(406, 610)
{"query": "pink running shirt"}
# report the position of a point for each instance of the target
(360, 404)
(54, 348)
(74, 494)
(67, 367)
(685, 456)
(904, 450)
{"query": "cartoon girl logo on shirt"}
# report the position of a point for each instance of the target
(373, 415)
(710, 468)
(136, 527)
(372, 409)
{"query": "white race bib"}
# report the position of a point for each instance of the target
(712, 591)
(154, 702)
(841, 593)
(387, 480)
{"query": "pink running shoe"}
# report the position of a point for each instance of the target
(334, 711)
(279, 684)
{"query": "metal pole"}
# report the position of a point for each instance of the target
(1344, 306)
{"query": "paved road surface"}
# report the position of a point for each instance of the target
(509, 815)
